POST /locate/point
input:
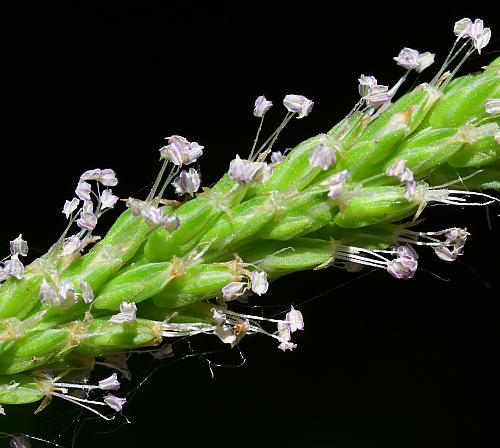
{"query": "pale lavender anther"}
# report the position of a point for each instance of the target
(479, 34)
(413, 60)
(87, 220)
(83, 190)
(187, 182)
(171, 223)
(110, 383)
(108, 199)
(259, 282)
(277, 157)
(128, 312)
(48, 292)
(66, 296)
(19, 246)
(462, 28)
(493, 106)
(134, 206)
(153, 215)
(87, 292)
(295, 320)
(14, 267)
(402, 267)
(70, 206)
(322, 157)
(106, 177)
(114, 403)
(71, 245)
(233, 290)
(298, 104)
(261, 106)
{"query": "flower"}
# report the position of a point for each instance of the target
(244, 171)
(225, 333)
(336, 183)
(413, 60)
(403, 266)
(187, 182)
(114, 403)
(298, 104)
(322, 157)
(180, 151)
(14, 267)
(70, 206)
(71, 245)
(48, 292)
(262, 106)
(19, 246)
(218, 316)
(87, 219)
(66, 296)
(233, 290)
(87, 292)
(375, 95)
(277, 157)
(284, 346)
(171, 223)
(134, 206)
(110, 383)
(153, 215)
(284, 331)
(106, 177)
(462, 28)
(295, 320)
(83, 190)
(404, 175)
(493, 106)
(259, 282)
(480, 36)
(128, 311)
(108, 199)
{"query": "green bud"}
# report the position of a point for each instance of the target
(198, 283)
(135, 284)
(466, 101)
(19, 389)
(482, 148)
(374, 205)
(195, 217)
(34, 350)
(104, 336)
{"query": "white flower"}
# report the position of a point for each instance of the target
(71, 245)
(462, 28)
(298, 104)
(180, 151)
(218, 316)
(413, 60)
(259, 282)
(107, 177)
(374, 94)
(225, 333)
(83, 190)
(187, 182)
(284, 331)
(284, 346)
(480, 36)
(19, 246)
(171, 223)
(87, 292)
(336, 184)
(295, 320)
(233, 290)
(70, 206)
(114, 403)
(110, 383)
(108, 199)
(322, 157)
(48, 292)
(14, 267)
(262, 106)
(87, 219)
(153, 215)
(128, 311)
(244, 171)
(493, 106)
(277, 157)
(66, 296)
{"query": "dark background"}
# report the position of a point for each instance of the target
(382, 362)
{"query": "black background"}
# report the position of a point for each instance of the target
(382, 362)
